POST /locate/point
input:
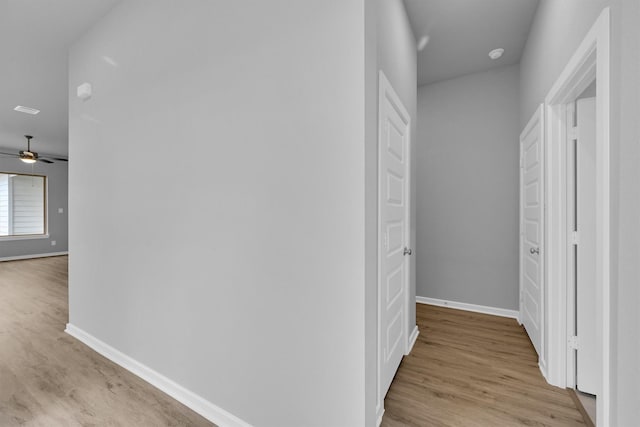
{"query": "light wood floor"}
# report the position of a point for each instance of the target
(465, 370)
(469, 369)
(49, 379)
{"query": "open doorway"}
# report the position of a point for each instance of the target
(583, 357)
(577, 211)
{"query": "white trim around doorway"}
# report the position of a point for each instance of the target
(590, 62)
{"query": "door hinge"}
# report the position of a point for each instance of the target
(573, 343)
(385, 241)
(575, 238)
(573, 133)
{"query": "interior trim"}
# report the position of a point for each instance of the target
(495, 311)
(188, 398)
(20, 257)
(412, 339)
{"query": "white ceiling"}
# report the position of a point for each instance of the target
(462, 32)
(35, 36)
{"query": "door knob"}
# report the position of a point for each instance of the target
(407, 251)
(534, 251)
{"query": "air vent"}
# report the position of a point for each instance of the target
(27, 110)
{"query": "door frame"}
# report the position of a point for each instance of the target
(590, 61)
(572, 217)
(537, 120)
(385, 90)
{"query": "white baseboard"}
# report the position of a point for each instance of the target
(513, 314)
(412, 339)
(198, 404)
(380, 415)
(543, 370)
(20, 257)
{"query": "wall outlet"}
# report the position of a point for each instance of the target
(53, 243)
(60, 210)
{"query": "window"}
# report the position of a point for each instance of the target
(22, 204)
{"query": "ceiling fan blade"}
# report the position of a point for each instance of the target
(40, 159)
(48, 157)
(9, 154)
(51, 159)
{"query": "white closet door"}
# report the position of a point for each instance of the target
(532, 227)
(394, 229)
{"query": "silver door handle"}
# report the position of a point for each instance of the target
(534, 251)
(407, 251)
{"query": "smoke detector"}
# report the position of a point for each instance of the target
(496, 53)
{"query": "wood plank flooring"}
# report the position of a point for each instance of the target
(465, 370)
(470, 369)
(49, 379)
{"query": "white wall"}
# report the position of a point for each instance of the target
(260, 107)
(557, 30)
(625, 259)
(467, 248)
(57, 184)
(397, 58)
(371, 211)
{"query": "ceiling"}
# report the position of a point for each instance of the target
(462, 32)
(35, 36)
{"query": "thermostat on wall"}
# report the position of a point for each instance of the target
(84, 91)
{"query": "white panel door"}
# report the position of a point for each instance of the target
(531, 227)
(393, 220)
(587, 353)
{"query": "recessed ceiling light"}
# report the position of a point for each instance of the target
(27, 110)
(496, 53)
(422, 43)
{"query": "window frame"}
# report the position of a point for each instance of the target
(45, 219)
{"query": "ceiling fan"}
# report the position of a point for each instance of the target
(29, 156)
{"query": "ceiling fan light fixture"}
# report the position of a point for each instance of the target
(28, 156)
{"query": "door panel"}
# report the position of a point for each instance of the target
(531, 227)
(587, 360)
(393, 228)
